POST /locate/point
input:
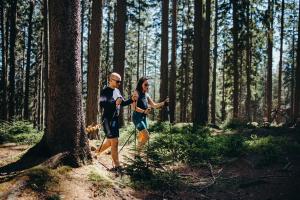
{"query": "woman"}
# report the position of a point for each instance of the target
(142, 109)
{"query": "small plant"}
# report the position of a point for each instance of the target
(41, 178)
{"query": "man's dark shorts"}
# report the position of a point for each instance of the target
(111, 128)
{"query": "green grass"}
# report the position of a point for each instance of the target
(195, 147)
(21, 132)
(41, 178)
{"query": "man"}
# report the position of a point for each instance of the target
(111, 100)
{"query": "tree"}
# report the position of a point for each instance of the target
(214, 76)
(28, 61)
(248, 63)
(12, 43)
(65, 132)
(235, 59)
(201, 63)
(45, 58)
(164, 58)
(92, 107)
(172, 90)
(119, 45)
(297, 74)
(280, 56)
(3, 110)
(196, 97)
(270, 59)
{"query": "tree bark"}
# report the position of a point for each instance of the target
(92, 104)
(248, 65)
(164, 59)
(45, 59)
(3, 114)
(197, 68)
(235, 60)
(172, 90)
(12, 44)
(214, 76)
(270, 59)
(297, 73)
(28, 61)
(280, 56)
(66, 131)
(119, 46)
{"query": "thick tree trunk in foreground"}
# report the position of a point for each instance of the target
(66, 130)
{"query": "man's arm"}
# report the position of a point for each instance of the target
(127, 102)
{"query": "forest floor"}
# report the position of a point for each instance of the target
(237, 177)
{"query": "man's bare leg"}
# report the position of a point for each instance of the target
(114, 151)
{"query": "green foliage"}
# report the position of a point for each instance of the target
(144, 176)
(195, 146)
(238, 124)
(272, 149)
(20, 132)
(99, 182)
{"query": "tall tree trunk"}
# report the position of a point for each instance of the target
(293, 68)
(107, 42)
(83, 5)
(248, 65)
(163, 91)
(65, 132)
(138, 42)
(172, 89)
(188, 58)
(119, 45)
(198, 66)
(3, 114)
(223, 102)
(201, 63)
(270, 59)
(297, 73)
(12, 44)
(181, 72)
(206, 61)
(92, 107)
(235, 60)
(28, 61)
(214, 76)
(45, 59)
(280, 56)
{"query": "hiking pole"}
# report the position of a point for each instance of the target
(130, 135)
(105, 135)
(126, 141)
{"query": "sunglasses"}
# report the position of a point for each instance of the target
(117, 81)
(146, 85)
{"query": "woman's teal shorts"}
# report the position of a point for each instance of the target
(140, 121)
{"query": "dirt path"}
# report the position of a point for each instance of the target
(235, 180)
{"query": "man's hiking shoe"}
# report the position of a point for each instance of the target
(116, 169)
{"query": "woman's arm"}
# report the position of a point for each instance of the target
(155, 105)
(137, 109)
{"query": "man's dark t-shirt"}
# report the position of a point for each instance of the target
(110, 116)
